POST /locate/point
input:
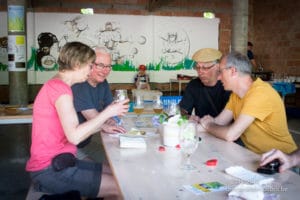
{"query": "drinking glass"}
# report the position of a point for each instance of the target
(157, 105)
(138, 108)
(119, 96)
(172, 108)
(188, 143)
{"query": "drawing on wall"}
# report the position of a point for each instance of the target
(163, 44)
(75, 27)
(44, 58)
(123, 48)
(111, 37)
(175, 48)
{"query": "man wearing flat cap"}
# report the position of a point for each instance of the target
(205, 94)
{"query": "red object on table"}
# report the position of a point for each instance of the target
(161, 148)
(212, 162)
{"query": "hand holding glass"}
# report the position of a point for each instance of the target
(120, 95)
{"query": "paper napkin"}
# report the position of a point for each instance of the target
(132, 142)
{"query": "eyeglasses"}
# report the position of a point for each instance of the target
(221, 70)
(197, 67)
(102, 66)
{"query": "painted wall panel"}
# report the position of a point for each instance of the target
(164, 44)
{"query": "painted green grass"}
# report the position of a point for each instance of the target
(126, 66)
(3, 67)
(161, 65)
(16, 24)
(31, 63)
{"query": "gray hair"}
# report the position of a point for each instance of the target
(101, 49)
(240, 62)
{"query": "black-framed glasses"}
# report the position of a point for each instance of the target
(197, 67)
(102, 66)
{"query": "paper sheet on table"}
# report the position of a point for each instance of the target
(132, 142)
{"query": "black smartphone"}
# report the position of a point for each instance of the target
(270, 168)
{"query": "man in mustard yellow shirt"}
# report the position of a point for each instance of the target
(256, 108)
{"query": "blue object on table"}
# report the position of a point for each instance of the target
(284, 88)
(118, 120)
(167, 100)
(131, 104)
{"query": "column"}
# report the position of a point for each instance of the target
(239, 36)
(16, 22)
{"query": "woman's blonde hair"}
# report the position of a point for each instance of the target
(75, 54)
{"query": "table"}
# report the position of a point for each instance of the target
(179, 82)
(284, 88)
(15, 119)
(23, 117)
(151, 174)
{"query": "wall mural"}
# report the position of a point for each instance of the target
(160, 43)
(176, 47)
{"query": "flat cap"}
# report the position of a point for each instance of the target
(206, 55)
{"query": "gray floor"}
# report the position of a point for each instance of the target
(14, 143)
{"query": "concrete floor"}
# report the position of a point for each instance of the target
(14, 143)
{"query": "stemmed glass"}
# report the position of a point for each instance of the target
(138, 108)
(119, 96)
(188, 143)
(157, 105)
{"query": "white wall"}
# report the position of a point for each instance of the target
(167, 41)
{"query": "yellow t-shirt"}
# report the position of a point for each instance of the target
(269, 129)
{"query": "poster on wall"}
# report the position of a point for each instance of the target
(16, 50)
(16, 20)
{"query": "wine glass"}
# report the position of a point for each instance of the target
(172, 108)
(138, 108)
(188, 143)
(157, 105)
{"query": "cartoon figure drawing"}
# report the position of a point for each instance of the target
(74, 26)
(111, 37)
(76, 29)
(121, 49)
(43, 53)
(175, 48)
